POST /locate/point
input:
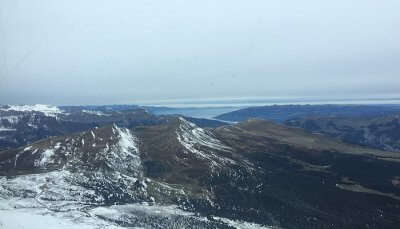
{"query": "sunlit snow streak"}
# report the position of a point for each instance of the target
(125, 154)
(201, 142)
(98, 113)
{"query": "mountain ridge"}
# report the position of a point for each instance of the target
(21, 125)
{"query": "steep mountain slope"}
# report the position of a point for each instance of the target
(380, 132)
(177, 174)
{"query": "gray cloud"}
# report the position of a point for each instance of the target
(93, 51)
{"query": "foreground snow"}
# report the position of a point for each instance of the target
(26, 218)
(47, 200)
(25, 213)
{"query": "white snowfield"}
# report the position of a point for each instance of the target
(47, 110)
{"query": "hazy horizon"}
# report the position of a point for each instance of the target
(107, 52)
(242, 102)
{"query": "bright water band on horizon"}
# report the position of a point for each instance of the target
(266, 102)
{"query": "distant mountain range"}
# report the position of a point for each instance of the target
(381, 132)
(282, 113)
(376, 126)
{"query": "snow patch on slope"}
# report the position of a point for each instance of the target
(46, 158)
(196, 135)
(12, 119)
(200, 142)
(98, 113)
(127, 141)
(125, 154)
(45, 109)
(115, 212)
(241, 224)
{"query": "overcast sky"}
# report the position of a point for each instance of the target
(102, 52)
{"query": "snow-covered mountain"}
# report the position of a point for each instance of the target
(98, 175)
(176, 174)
